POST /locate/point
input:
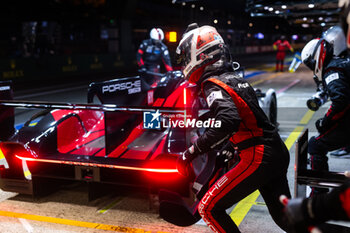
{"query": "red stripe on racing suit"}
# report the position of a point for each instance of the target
(248, 125)
(250, 160)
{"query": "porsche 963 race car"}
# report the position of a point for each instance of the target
(124, 140)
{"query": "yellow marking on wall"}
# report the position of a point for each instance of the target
(69, 222)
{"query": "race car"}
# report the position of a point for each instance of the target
(124, 140)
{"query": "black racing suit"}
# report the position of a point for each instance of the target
(151, 54)
(334, 127)
(264, 158)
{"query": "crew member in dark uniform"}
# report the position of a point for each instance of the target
(152, 53)
(263, 157)
(333, 73)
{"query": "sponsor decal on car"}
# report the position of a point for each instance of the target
(132, 87)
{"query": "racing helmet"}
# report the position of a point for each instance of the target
(335, 36)
(198, 48)
(316, 54)
(157, 34)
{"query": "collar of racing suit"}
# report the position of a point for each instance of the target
(209, 72)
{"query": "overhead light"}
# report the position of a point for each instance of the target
(201, 8)
(266, 7)
(304, 18)
(228, 21)
(320, 18)
(184, 3)
(249, 35)
(284, 7)
(259, 36)
(323, 24)
(305, 25)
(172, 36)
(311, 5)
(270, 9)
(193, 6)
(277, 12)
(215, 21)
(277, 27)
(250, 24)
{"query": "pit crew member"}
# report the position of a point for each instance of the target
(281, 45)
(264, 157)
(152, 53)
(333, 73)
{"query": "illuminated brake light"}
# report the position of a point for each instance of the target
(158, 170)
(185, 102)
(185, 99)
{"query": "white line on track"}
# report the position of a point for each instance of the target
(281, 91)
(26, 225)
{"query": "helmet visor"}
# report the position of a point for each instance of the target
(310, 62)
(183, 52)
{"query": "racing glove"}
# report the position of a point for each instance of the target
(228, 153)
(184, 161)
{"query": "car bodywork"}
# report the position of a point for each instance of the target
(107, 143)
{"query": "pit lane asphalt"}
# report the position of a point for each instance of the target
(69, 210)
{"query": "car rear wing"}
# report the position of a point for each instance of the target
(78, 106)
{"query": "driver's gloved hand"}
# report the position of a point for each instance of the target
(228, 152)
(183, 162)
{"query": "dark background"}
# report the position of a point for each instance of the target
(55, 38)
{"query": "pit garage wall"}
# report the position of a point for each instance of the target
(53, 67)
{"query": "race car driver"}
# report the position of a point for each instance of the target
(263, 156)
(152, 53)
(334, 75)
